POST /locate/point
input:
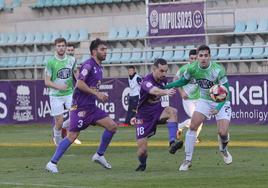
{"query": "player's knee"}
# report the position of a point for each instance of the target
(112, 128)
(72, 136)
(193, 127)
(222, 133)
(142, 151)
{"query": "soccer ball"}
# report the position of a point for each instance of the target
(218, 93)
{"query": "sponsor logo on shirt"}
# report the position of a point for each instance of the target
(64, 73)
(84, 72)
(81, 114)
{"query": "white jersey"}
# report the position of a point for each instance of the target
(134, 85)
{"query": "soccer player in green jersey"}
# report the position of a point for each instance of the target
(190, 94)
(59, 78)
(206, 73)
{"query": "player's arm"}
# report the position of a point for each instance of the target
(178, 83)
(161, 92)
(181, 90)
(49, 83)
(81, 84)
(75, 71)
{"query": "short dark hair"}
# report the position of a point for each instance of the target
(192, 52)
(95, 44)
(59, 40)
(160, 61)
(70, 45)
(131, 67)
(203, 47)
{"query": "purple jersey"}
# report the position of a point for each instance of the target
(149, 108)
(149, 103)
(91, 73)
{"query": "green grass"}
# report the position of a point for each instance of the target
(24, 151)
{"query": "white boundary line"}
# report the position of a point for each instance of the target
(41, 185)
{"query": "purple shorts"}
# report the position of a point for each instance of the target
(146, 124)
(81, 118)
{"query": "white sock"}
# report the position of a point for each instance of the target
(221, 142)
(56, 132)
(199, 130)
(66, 123)
(186, 123)
(189, 144)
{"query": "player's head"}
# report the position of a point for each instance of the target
(98, 49)
(60, 46)
(131, 70)
(203, 55)
(192, 55)
(70, 49)
(160, 69)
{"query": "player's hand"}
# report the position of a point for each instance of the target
(102, 96)
(133, 121)
(62, 87)
(171, 92)
(214, 112)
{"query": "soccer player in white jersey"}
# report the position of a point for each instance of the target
(190, 94)
(206, 73)
(59, 78)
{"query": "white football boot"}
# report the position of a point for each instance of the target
(51, 167)
(101, 160)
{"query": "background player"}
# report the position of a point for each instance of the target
(59, 79)
(189, 93)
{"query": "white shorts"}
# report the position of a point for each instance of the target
(205, 106)
(58, 103)
(189, 106)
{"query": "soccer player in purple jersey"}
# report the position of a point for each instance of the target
(84, 111)
(150, 112)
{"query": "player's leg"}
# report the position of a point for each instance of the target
(61, 149)
(223, 123)
(57, 110)
(190, 140)
(188, 106)
(202, 111)
(170, 114)
(57, 129)
(110, 129)
(66, 123)
(142, 153)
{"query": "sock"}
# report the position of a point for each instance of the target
(143, 159)
(199, 130)
(172, 131)
(66, 123)
(186, 123)
(56, 132)
(189, 144)
(63, 146)
(223, 141)
(105, 141)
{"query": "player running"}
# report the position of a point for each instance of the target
(84, 112)
(206, 73)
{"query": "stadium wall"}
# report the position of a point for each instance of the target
(23, 102)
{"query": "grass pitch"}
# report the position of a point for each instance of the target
(25, 150)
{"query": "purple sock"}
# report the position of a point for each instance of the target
(172, 130)
(63, 146)
(143, 159)
(105, 141)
